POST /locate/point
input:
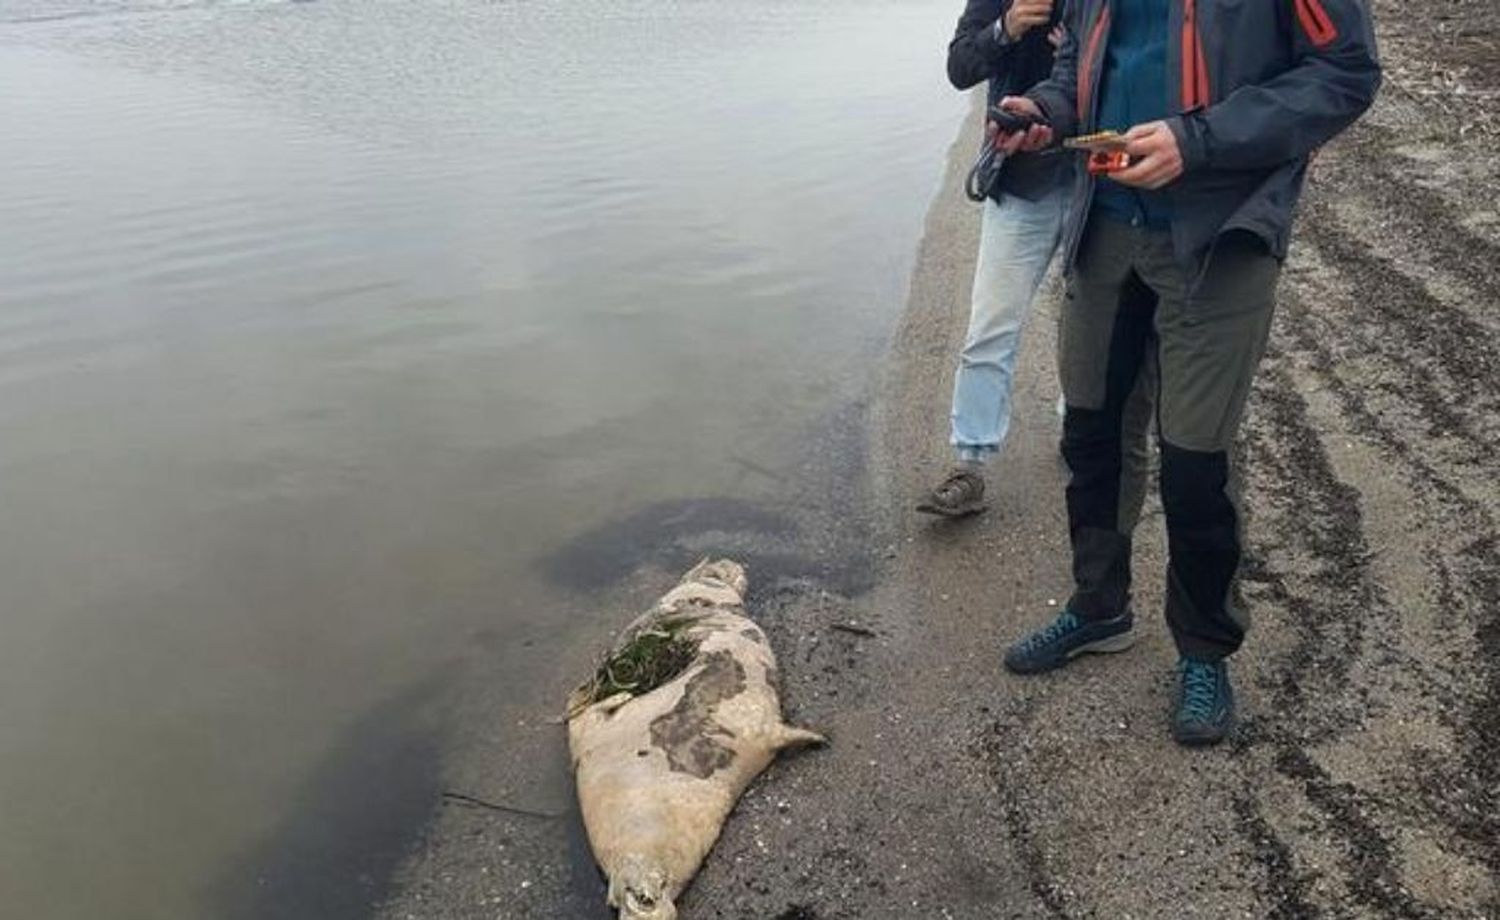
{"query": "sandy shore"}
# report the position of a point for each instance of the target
(1364, 780)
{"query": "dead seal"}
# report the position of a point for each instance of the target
(678, 720)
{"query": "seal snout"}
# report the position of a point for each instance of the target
(719, 572)
(645, 891)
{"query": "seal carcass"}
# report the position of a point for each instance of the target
(658, 771)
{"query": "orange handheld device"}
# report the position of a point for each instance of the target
(1106, 151)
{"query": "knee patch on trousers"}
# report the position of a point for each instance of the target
(1091, 447)
(1203, 540)
(1195, 495)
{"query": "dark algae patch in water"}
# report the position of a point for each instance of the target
(674, 535)
(350, 825)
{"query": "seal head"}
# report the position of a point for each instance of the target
(640, 892)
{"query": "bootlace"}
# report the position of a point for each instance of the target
(1065, 623)
(1200, 689)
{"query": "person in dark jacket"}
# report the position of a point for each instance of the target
(1221, 103)
(1010, 44)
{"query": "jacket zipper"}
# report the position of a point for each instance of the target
(1086, 78)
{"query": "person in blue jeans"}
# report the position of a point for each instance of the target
(1010, 43)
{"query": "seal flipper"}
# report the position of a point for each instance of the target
(787, 736)
(580, 711)
(609, 705)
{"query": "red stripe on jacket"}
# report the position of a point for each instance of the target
(1086, 72)
(1316, 22)
(1195, 92)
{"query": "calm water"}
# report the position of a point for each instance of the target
(322, 324)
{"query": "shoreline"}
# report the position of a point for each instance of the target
(1362, 781)
(478, 862)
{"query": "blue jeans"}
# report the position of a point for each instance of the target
(1016, 243)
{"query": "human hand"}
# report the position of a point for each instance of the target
(1035, 137)
(1056, 36)
(1155, 159)
(1025, 15)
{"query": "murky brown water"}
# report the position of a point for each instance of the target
(323, 326)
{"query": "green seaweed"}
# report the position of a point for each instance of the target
(650, 658)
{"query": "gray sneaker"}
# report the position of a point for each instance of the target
(960, 495)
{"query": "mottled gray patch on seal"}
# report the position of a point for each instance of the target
(687, 733)
(754, 635)
(773, 677)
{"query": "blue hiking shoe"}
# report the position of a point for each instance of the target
(1067, 637)
(1205, 703)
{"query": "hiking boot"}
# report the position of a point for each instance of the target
(1205, 703)
(961, 494)
(1067, 637)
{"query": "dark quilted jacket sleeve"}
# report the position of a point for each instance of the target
(1057, 93)
(974, 55)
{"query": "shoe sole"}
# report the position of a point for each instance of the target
(1109, 645)
(1196, 740)
(960, 512)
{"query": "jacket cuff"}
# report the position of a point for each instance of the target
(989, 47)
(1056, 108)
(1191, 144)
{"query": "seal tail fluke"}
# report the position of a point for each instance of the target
(789, 736)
